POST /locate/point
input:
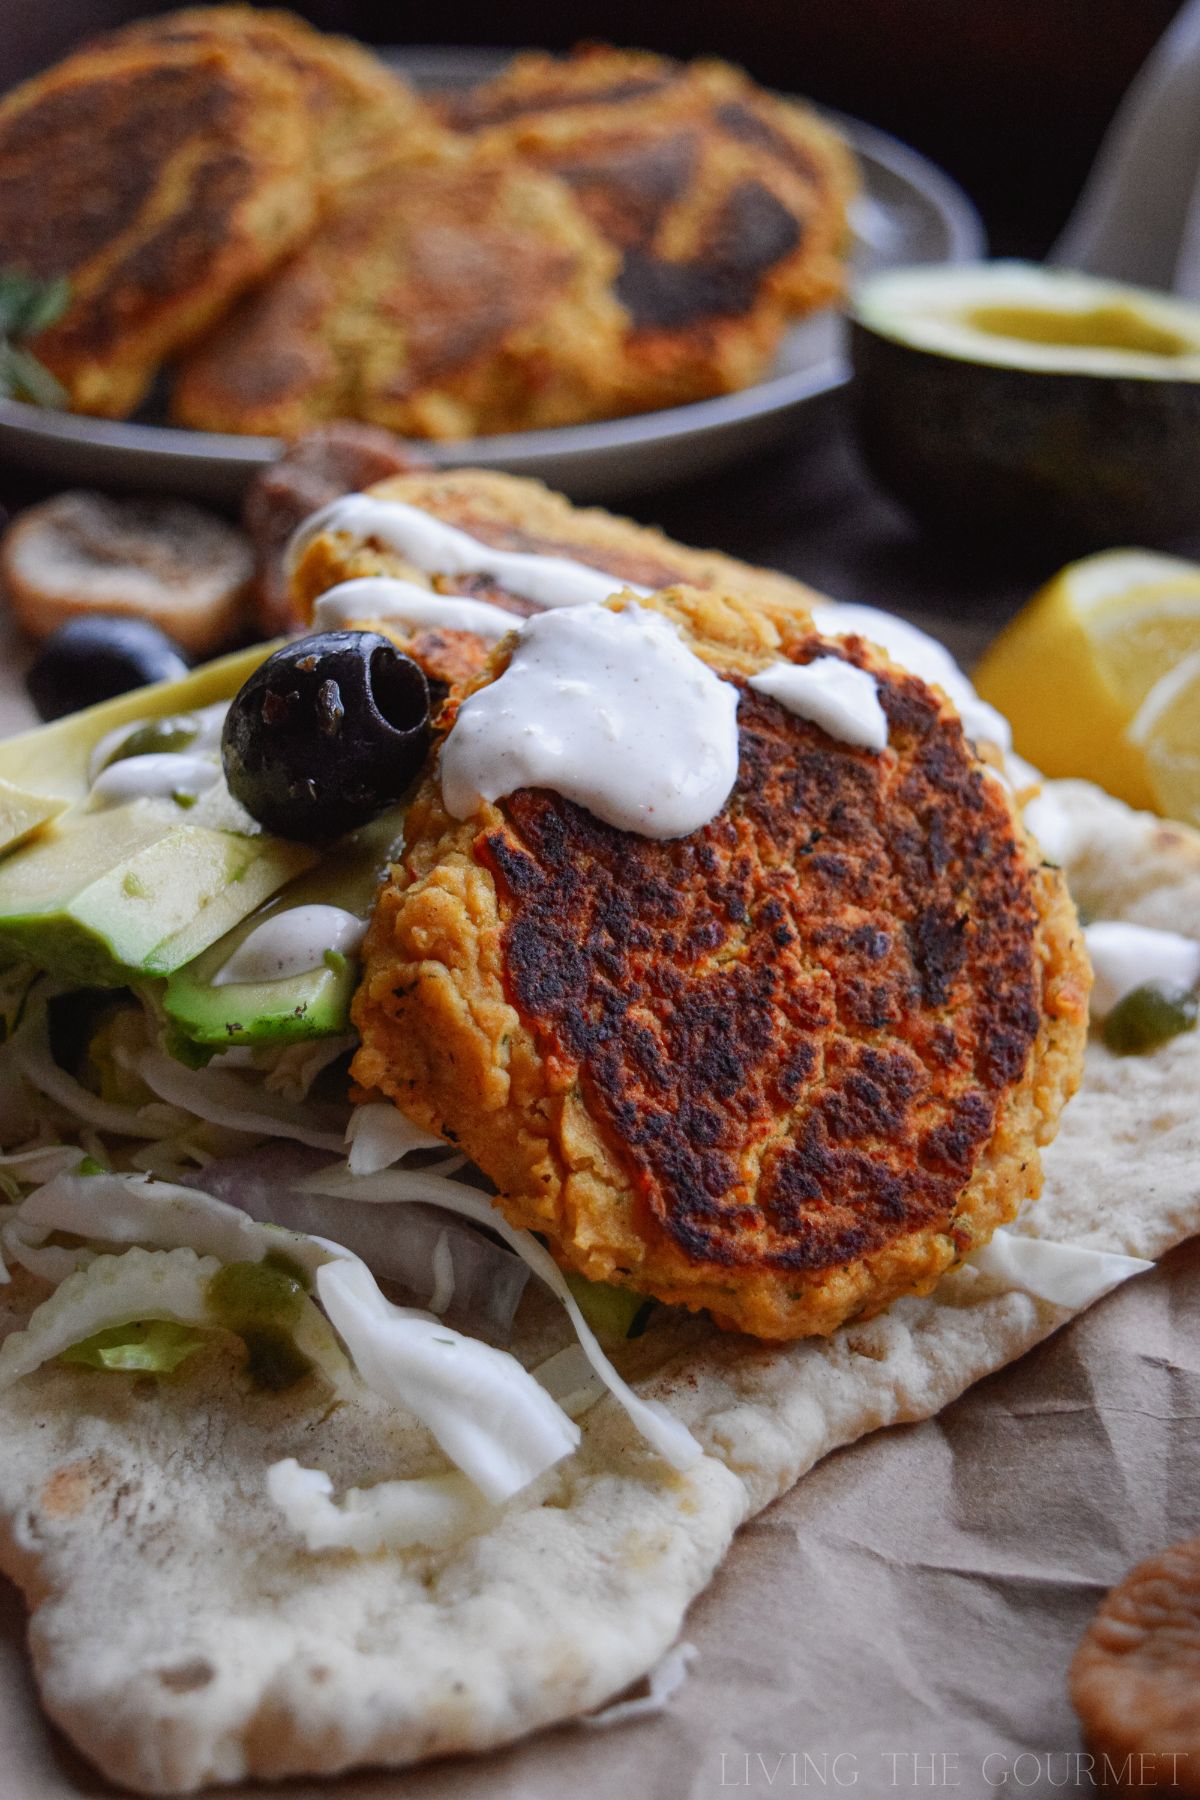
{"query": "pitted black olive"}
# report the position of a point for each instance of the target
(326, 733)
(96, 657)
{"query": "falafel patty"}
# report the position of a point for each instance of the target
(446, 297)
(728, 205)
(787, 1068)
(160, 180)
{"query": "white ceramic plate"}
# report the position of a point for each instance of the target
(908, 212)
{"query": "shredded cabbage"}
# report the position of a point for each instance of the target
(664, 1433)
(429, 1512)
(569, 1378)
(502, 1432)
(398, 1244)
(1063, 1274)
(487, 1412)
(30, 1050)
(112, 1290)
(664, 1682)
(223, 1098)
(378, 1135)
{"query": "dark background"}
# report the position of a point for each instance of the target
(1011, 97)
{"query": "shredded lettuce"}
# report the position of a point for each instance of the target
(429, 1512)
(143, 1347)
(664, 1433)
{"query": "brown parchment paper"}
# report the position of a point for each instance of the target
(903, 1619)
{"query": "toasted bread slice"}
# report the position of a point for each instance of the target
(160, 180)
(182, 568)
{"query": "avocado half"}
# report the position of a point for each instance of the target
(1030, 403)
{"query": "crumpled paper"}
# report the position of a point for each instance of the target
(901, 1623)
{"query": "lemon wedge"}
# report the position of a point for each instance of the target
(1084, 657)
(1166, 729)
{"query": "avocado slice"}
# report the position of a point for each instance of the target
(101, 897)
(1007, 399)
(45, 771)
(313, 1005)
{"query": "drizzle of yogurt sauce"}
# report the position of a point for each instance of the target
(1126, 956)
(208, 722)
(842, 700)
(371, 597)
(609, 709)
(437, 548)
(291, 943)
(163, 774)
(914, 650)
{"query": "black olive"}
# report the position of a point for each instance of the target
(96, 657)
(326, 733)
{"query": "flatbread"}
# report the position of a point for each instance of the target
(181, 1635)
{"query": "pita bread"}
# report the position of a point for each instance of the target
(181, 1635)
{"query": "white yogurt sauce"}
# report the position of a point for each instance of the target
(161, 775)
(842, 700)
(921, 655)
(372, 597)
(609, 709)
(292, 943)
(437, 548)
(1126, 956)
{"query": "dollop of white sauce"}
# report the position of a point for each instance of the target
(842, 700)
(922, 655)
(609, 709)
(440, 549)
(1126, 956)
(162, 774)
(372, 597)
(291, 943)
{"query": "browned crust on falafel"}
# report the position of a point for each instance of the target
(788, 1068)
(160, 180)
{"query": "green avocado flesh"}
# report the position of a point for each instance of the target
(47, 769)
(1034, 405)
(314, 1004)
(132, 890)
(98, 897)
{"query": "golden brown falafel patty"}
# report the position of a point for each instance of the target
(361, 113)
(508, 512)
(161, 180)
(727, 204)
(787, 1068)
(446, 298)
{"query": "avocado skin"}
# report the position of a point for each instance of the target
(313, 1005)
(1069, 463)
